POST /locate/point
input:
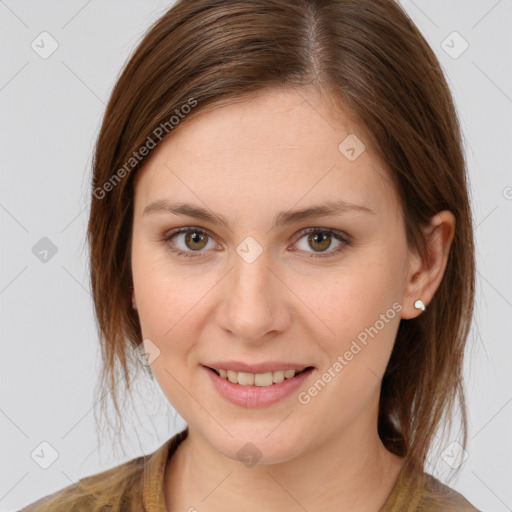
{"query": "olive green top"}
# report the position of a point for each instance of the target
(138, 486)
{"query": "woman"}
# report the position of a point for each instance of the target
(280, 233)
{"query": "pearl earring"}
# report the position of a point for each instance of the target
(419, 305)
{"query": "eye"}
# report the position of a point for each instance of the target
(321, 240)
(194, 240)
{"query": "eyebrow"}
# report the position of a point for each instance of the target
(328, 209)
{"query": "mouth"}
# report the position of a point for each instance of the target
(265, 379)
(278, 381)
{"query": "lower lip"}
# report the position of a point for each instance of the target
(257, 396)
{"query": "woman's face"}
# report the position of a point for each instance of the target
(258, 289)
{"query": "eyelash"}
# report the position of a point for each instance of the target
(346, 241)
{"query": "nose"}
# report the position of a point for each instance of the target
(256, 305)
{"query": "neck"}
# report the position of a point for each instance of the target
(351, 471)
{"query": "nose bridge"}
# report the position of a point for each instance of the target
(251, 280)
(253, 297)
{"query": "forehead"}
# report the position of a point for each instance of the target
(282, 146)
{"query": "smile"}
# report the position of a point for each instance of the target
(257, 379)
(257, 389)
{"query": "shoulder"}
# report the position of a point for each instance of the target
(418, 491)
(132, 486)
(118, 488)
(436, 495)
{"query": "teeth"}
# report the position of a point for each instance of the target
(246, 379)
(257, 379)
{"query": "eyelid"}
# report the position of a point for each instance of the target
(341, 234)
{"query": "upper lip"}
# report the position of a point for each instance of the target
(269, 366)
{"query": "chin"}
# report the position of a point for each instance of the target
(257, 444)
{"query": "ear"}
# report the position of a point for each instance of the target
(426, 271)
(134, 302)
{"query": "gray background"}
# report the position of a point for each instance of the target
(50, 114)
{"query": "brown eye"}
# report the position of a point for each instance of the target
(187, 242)
(195, 241)
(319, 240)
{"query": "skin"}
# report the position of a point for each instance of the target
(247, 161)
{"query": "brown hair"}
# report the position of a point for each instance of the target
(372, 58)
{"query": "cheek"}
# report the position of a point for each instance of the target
(171, 303)
(159, 306)
(359, 308)
(165, 309)
(362, 317)
(350, 299)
